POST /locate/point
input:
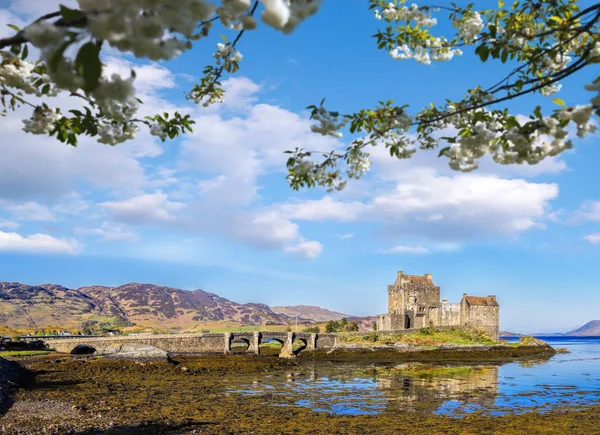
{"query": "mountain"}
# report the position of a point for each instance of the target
(25, 306)
(591, 328)
(317, 314)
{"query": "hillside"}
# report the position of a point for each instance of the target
(317, 314)
(591, 328)
(25, 306)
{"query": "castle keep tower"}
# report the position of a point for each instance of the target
(414, 302)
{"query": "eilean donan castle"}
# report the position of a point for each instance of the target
(414, 302)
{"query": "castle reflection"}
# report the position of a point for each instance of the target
(426, 387)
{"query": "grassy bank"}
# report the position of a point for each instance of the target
(426, 337)
(17, 353)
(158, 398)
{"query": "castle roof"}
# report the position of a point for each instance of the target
(416, 279)
(490, 301)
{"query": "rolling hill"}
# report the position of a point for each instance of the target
(26, 306)
(591, 328)
(317, 314)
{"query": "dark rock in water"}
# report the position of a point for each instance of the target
(83, 349)
(135, 352)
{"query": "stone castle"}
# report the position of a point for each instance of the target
(414, 302)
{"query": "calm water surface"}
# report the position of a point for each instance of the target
(352, 388)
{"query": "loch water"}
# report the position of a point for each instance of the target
(571, 379)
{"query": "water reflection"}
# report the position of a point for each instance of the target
(425, 387)
(455, 390)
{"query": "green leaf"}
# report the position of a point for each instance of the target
(58, 55)
(442, 151)
(25, 52)
(88, 65)
(559, 102)
(70, 15)
(15, 28)
(500, 3)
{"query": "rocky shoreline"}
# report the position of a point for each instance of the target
(442, 353)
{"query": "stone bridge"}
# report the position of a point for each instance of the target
(191, 344)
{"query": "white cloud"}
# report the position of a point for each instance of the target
(441, 208)
(8, 224)
(31, 211)
(593, 238)
(231, 148)
(37, 243)
(590, 210)
(325, 208)
(109, 233)
(345, 236)
(306, 249)
(400, 249)
(150, 208)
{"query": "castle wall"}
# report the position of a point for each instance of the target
(450, 314)
(484, 317)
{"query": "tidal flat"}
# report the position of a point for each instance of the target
(269, 395)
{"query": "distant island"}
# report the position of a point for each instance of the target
(590, 329)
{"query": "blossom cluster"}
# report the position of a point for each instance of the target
(21, 74)
(393, 12)
(517, 144)
(285, 15)
(227, 55)
(434, 49)
(469, 27)
(234, 14)
(147, 28)
(17, 73)
(113, 133)
(430, 48)
(358, 163)
(42, 121)
(328, 123)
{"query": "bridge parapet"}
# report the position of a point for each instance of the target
(197, 343)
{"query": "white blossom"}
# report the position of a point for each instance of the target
(113, 133)
(43, 34)
(42, 121)
(328, 124)
(17, 73)
(159, 131)
(469, 26)
(285, 15)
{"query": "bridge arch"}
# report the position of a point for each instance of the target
(271, 346)
(239, 345)
(299, 344)
(83, 349)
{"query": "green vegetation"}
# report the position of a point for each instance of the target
(418, 370)
(9, 353)
(341, 325)
(312, 330)
(115, 324)
(426, 337)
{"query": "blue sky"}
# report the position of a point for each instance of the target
(212, 210)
